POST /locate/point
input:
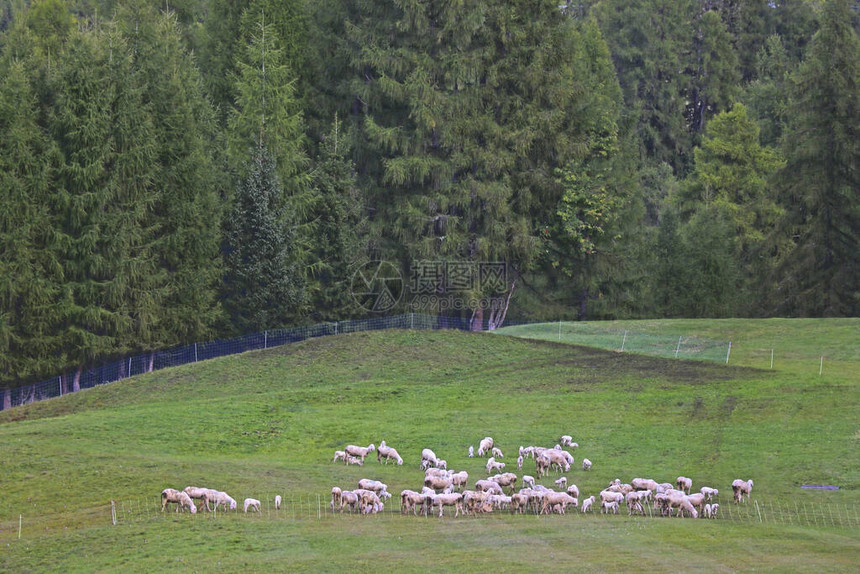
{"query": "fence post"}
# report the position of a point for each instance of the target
(195, 352)
(266, 339)
(678, 348)
(729, 352)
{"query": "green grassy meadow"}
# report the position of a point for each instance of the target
(268, 422)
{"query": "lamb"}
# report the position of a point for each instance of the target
(388, 453)
(454, 499)
(528, 481)
(609, 506)
(497, 452)
(178, 497)
(253, 504)
(586, 504)
(442, 463)
(697, 500)
(586, 464)
(741, 488)
(611, 496)
(644, 484)
(565, 440)
(709, 493)
(195, 492)
(354, 460)
(485, 446)
(520, 462)
(561, 482)
(359, 451)
(677, 500)
(339, 455)
(711, 510)
(475, 501)
(471, 451)
(277, 502)
(493, 465)
(519, 502)
(369, 502)
(573, 491)
(428, 458)
(684, 483)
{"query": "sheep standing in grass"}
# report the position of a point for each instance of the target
(359, 451)
(709, 493)
(607, 506)
(742, 488)
(471, 451)
(253, 504)
(277, 502)
(197, 493)
(684, 484)
(388, 453)
(428, 459)
(586, 504)
(460, 479)
(339, 455)
(586, 464)
(347, 498)
(520, 462)
(711, 510)
(508, 479)
(336, 495)
(644, 484)
(497, 452)
(561, 482)
(486, 446)
(528, 481)
(178, 497)
(492, 465)
(223, 499)
(411, 500)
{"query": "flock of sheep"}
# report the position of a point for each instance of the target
(443, 487)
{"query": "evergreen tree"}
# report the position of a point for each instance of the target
(820, 276)
(264, 285)
(767, 96)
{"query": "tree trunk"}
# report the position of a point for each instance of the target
(64, 384)
(583, 305)
(7, 399)
(499, 311)
(478, 319)
(151, 362)
(76, 383)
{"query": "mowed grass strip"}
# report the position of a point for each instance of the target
(267, 423)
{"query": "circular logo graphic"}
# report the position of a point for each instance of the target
(377, 286)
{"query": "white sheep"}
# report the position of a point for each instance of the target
(742, 488)
(374, 486)
(644, 484)
(573, 490)
(178, 497)
(586, 504)
(561, 482)
(339, 455)
(460, 479)
(438, 483)
(428, 459)
(609, 506)
(711, 510)
(253, 504)
(354, 460)
(347, 498)
(684, 483)
(508, 479)
(492, 465)
(471, 451)
(565, 440)
(411, 500)
(485, 446)
(442, 463)
(388, 453)
(520, 462)
(709, 493)
(277, 502)
(336, 495)
(455, 499)
(488, 486)
(359, 451)
(497, 452)
(195, 492)
(586, 464)
(223, 499)
(528, 481)
(556, 501)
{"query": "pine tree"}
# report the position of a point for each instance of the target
(820, 276)
(264, 285)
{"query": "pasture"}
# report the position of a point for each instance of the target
(268, 422)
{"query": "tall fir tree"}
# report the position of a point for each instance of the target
(820, 185)
(264, 284)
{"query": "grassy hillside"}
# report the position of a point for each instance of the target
(267, 423)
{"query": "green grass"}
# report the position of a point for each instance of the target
(268, 422)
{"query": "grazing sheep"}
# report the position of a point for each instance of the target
(528, 481)
(428, 458)
(556, 502)
(460, 479)
(339, 455)
(277, 502)
(492, 465)
(565, 440)
(697, 500)
(611, 496)
(711, 510)
(497, 452)
(742, 488)
(438, 483)
(388, 453)
(485, 446)
(475, 501)
(471, 451)
(440, 472)
(677, 500)
(252, 503)
(573, 491)
(586, 504)
(336, 494)
(520, 462)
(489, 486)
(508, 479)
(586, 464)
(195, 492)
(223, 499)
(561, 482)
(347, 498)
(519, 502)
(684, 483)
(359, 451)
(178, 497)
(442, 463)
(644, 484)
(354, 460)
(411, 500)
(455, 499)
(709, 493)
(374, 486)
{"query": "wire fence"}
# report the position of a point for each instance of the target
(127, 367)
(317, 507)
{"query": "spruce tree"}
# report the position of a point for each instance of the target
(820, 275)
